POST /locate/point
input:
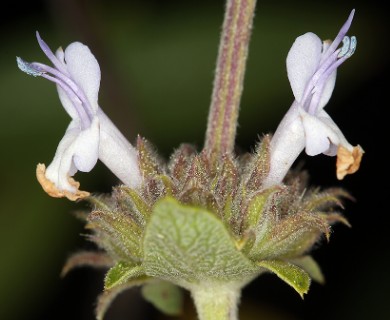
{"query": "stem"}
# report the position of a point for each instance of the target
(216, 301)
(229, 76)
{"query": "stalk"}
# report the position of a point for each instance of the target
(229, 76)
(216, 301)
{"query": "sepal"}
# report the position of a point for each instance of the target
(308, 264)
(86, 259)
(289, 273)
(106, 298)
(123, 273)
(117, 233)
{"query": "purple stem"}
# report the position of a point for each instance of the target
(229, 76)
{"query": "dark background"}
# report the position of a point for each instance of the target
(157, 60)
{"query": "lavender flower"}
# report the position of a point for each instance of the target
(311, 68)
(91, 135)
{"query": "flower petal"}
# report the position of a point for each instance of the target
(56, 179)
(117, 153)
(318, 135)
(86, 147)
(322, 134)
(328, 121)
(72, 105)
(286, 145)
(59, 169)
(327, 91)
(61, 57)
(69, 107)
(50, 188)
(302, 62)
(84, 69)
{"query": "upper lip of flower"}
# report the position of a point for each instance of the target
(312, 66)
(82, 106)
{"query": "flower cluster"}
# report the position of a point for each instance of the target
(204, 222)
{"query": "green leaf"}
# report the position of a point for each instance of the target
(165, 296)
(289, 273)
(123, 273)
(189, 245)
(308, 264)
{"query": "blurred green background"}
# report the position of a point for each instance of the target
(157, 60)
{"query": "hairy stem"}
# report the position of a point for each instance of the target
(229, 76)
(216, 302)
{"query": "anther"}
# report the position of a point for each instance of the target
(27, 68)
(346, 47)
(352, 46)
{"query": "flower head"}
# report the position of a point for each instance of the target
(90, 135)
(209, 222)
(311, 68)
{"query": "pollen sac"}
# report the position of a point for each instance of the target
(28, 68)
(349, 47)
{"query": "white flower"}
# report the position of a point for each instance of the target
(90, 135)
(311, 68)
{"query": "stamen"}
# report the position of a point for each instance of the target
(317, 83)
(352, 46)
(349, 47)
(76, 102)
(56, 73)
(316, 78)
(345, 48)
(60, 75)
(46, 50)
(41, 70)
(343, 31)
(319, 88)
(69, 82)
(28, 68)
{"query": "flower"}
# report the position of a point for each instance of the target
(91, 135)
(311, 68)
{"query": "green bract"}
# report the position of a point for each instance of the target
(197, 222)
(190, 246)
